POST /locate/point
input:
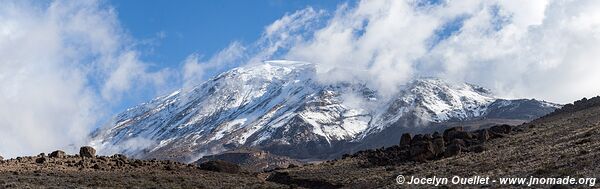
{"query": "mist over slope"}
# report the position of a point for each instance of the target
(281, 107)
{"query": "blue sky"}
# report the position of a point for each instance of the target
(169, 32)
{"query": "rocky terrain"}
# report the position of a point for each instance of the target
(86, 170)
(252, 159)
(564, 143)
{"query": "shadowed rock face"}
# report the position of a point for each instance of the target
(87, 151)
(424, 147)
(220, 166)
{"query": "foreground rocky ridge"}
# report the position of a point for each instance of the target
(59, 170)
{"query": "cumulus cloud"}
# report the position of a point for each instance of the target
(541, 49)
(62, 65)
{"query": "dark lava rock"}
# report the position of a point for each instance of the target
(427, 137)
(439, 146)
(120, 157)
(477, 148)
(422, 150)
(405, 139)
(502, 129)
(436, 135)
(220, 166)
(57, 154)
(417, 138)
(1, 158)
(41, 160)
(449, 133)
(87, 151)
(483, 135)
(455, 148)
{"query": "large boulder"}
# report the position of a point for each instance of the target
(57, 154)
(483, 135)
(405, 139)
(41, 160)
(500, 131)
(417, 138)
(1, 158)
(87, 151)
(220, 166)
(422, 150)
(449, 133)
(439, 146)
(456, 147)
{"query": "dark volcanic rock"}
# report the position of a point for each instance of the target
(477, 148)
(251, 159)
(87, 151)
(422, 150)
(449, 133)
(1, 158)
(503, 129)
(463, 135)
(405, 139)
(41, 160)
(417, 138)
(456, 147)
(439, 146)
(220, 166)
(483, 135)
(57, 154)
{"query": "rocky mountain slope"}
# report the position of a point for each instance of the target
(563, 143)
(280, 107)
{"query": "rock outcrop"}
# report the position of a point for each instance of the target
(57, 154)
(220, 166)
(252, 159)
(423, 147)
(87, 151)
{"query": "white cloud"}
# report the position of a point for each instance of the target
(536, 49)
(194, 69)
(62, 65)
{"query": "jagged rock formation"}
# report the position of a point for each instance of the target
(423, 147)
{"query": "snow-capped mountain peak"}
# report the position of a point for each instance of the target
(281, 107)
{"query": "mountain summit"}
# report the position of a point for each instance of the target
(281, 107)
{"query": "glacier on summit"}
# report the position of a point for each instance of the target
(281, 107)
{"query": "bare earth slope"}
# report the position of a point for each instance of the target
(565, 143)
